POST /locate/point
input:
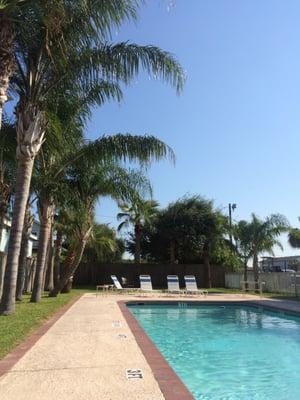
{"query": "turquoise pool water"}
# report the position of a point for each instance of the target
(227, 353)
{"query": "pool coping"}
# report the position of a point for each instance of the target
(10, 359)
(169, 382)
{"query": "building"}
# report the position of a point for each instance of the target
(4, 245)
(5, 237)
(280, 264)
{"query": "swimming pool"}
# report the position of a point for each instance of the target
(227, 352)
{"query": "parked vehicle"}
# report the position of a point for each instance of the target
(279, 268)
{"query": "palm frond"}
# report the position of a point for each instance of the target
(121, 62)
(127, 147)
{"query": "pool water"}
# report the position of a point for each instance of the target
(227, 352)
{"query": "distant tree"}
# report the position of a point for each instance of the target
(294, 237)
(190, 230)
(103, 245)
(138, 213)
(262, 236)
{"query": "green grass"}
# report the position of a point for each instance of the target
(29, 316)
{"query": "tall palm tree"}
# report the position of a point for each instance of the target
(56, 17)
(39, 73)
(101, 152)
(138, 213)
(86, 186)
(7, 59)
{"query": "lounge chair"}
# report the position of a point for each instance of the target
(191, 286)
(116, 282)
(145, 282)
(173, 284)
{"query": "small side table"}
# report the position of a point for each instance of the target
(104, 288)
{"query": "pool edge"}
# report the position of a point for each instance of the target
(168, 381)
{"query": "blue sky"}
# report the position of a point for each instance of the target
(235, 129)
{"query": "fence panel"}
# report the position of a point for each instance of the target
(280, 282)
(99, 274)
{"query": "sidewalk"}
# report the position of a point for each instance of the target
(82, 357)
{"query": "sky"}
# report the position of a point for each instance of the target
(235, 129)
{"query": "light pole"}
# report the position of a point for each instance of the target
(231, 208)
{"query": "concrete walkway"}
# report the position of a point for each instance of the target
(83, 356)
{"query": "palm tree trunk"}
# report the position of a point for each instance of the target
(7, 59)
(46, 209)
(71, 264)
(30, 272)
(30, 138)
(2, 269)
(49, 265)
(24, 171)
(138, 237)
(4, 202)
(57, 254)
(23, 260)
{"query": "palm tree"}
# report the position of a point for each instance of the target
(100, 152)
(51, 174)
(86, 186)
(103, 245)
(39, 74)
(263, 236)
(138, 213)
(55, 17)
(7, 59)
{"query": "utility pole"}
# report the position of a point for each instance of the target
(231, 208)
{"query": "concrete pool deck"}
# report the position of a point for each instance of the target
(86, 352)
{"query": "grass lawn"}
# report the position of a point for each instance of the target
(29, 316)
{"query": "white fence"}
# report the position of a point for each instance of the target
(279, 282)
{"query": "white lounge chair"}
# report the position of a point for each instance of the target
(145, 282)
(191, 286)
(173, 284)
(116, 282)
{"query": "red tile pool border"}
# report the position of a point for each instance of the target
(19, 351)
(170, 384)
